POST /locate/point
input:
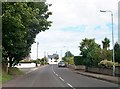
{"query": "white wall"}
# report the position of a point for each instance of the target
(52, 61)
(26, 65)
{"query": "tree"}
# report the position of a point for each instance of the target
(56, 56)
(106, 43)
(90, 52)
(69, 57)
(106, 53)
(21, 23)
(117, 52)
(68, 54)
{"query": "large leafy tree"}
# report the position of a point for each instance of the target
(90, 52)
(21, 23)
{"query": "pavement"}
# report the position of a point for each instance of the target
(28, 70)
(109, 78)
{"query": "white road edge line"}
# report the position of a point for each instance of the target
(31, 70)
(61, 78)
(70, 85)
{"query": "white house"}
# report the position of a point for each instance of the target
(52, 59)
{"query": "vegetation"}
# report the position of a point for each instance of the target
(56, 57)
(69, 57)
(78, 60)
(117, 52)
(5, 77)
(93, 55)
(14, 71)
(21, 22)
(90, 52)
(106, 64)
(106, 43)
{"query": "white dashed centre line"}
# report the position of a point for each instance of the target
(70, 85)
(56, 74)
(61, 78)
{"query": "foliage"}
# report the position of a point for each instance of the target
(21, 22)
(106, 43)
(68, 54)
(69, 57)
(105, 64)
(106, 54)
(43, 61)
(117, 52)
(78, 60)
(25, 61)
(71, 60)
(56, 56)
(90, 52)
(5, 77)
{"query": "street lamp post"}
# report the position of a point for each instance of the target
(112, 39)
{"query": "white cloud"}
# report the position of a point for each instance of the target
(70, 14)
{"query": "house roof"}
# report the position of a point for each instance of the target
(53, 56)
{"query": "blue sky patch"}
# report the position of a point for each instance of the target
(79, 28)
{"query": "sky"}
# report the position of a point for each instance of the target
(74, 20)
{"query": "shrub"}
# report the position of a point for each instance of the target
(105, 64)
(78, 60)
(71, 60)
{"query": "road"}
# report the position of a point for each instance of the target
(52, 76)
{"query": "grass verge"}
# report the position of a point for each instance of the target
(5, 77)
(13, 71)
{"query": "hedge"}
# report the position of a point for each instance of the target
(78, 60)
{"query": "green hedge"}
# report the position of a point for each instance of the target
(78, 60)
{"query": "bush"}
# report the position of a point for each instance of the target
(78, 60)
(71, 60)
(105, 64)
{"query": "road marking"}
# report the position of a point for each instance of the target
(34, 69)
(31, 70)
(61, 78)
(56, 74)
(70, 85)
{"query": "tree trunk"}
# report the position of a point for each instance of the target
(5, 67)
(10, 61)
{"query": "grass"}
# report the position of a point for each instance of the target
(14, 71)
(11, 73)
(5, 77)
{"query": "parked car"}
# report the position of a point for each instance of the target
(62, 64)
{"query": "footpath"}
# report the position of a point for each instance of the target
(113, 79)
(28, 70)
